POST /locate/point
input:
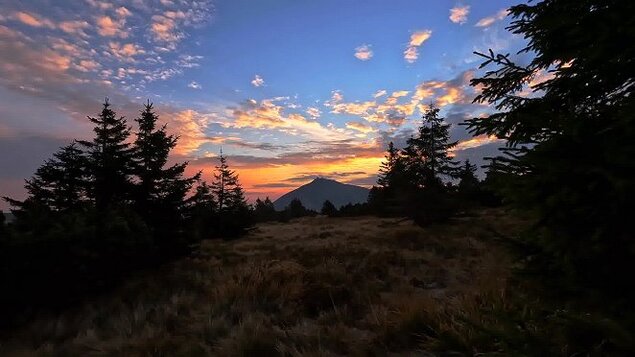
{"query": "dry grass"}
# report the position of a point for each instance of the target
(315, 286)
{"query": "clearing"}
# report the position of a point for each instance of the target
(313, 286)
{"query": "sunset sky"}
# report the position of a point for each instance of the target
(290, 89)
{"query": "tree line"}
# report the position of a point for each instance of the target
(569, 146)
(424, 181)
(100, 208)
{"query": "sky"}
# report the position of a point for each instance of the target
(289, 89)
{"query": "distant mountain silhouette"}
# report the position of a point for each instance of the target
(314, 194)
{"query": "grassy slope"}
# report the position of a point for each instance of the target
(315, 286)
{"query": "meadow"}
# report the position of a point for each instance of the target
(314, 286)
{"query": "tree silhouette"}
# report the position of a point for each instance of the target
(570, 144)
(391, 168)
(233, 210)
(60, 183)
(160, 192)
(110, 160)
(427, 154)
(264, 210)
(329, 209)
(468, 183)
(296, 209)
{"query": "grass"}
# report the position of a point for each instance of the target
(329, 286)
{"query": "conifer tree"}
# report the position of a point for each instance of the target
(234, 214)
(427, 154)
(160, 191)
(468, 183)
(296, 209)
(60, 183)
(571, 143)
(110, 160)
(391, 171)
(264, 210)
(329, 209)
(227, 190)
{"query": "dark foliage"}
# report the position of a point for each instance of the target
(571, 144)
(329, 209)
(295, 209)
(411, 180)
(110, 162)
(98, 210)
(160, 190)
(233, 213)
(264, 211)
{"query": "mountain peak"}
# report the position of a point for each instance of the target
(313, 194)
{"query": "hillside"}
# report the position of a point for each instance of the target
(341, 286)
(319, 190)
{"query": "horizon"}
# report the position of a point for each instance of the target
(290, 91)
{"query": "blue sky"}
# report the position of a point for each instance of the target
(289, 89)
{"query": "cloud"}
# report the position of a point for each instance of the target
(476, 142)
(125, 52)
(190, 126)
(75, 27)
(123, 12)
(101, 5)
(313, 112)
(266, 114)
(168, 27)
(380, 93)
(194, 85)
(488, 21)
(419, 37)
(458, 14)
(257, 81)
(164, 28)
(411, 54)
(363, 53)
(108, 27)
(361, 127)
(33, 20)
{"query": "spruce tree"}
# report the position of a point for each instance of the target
(388, 169)
(60, 183)
(264, 210)
(468, 182)
(110, 160)
(226, 188)
(427, 154)
(160, 191)
(200, 212)
(234, 214)
(329, 209)
(571, 143)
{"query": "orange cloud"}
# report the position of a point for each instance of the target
(458, 14)
(488, 21)
(108, 27)
(74, 27)
(411, 54)
(125, 52)
(363, 53)
(33, 20)
(476, 142)
(419, 37)
(452, 95)
(190, 126)
(269, 115)
(359, 127)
